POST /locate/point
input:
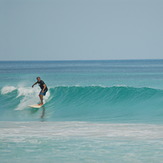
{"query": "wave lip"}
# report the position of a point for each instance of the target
(7, 89)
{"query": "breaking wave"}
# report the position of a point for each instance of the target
(85, 103)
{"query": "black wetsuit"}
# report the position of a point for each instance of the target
(41, 84)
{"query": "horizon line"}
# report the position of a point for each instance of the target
(78, 60)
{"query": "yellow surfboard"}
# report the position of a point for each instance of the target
(35, 106)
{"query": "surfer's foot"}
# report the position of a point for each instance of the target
(40, 104)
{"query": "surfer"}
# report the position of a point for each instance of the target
(43, 87)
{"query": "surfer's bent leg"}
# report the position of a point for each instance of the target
(41, 97)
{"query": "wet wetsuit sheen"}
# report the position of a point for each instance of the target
(41, 84)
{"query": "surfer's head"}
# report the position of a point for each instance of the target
(38, 78)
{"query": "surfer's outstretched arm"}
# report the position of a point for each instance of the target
(34, 84)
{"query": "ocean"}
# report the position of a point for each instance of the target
(104, 111)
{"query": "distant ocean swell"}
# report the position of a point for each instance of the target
(87, 103)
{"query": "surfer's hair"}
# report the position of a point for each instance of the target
(37, 77)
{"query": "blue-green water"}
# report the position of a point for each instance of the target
(95, 111)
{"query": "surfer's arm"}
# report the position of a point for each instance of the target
(44, 88)
(34, 84)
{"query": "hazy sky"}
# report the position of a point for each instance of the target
(81, 29)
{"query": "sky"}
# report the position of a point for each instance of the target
(81, 29)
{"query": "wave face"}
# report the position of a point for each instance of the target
(84, 103)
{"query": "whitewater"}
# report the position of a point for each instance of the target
(95, 111)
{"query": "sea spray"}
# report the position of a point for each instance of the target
(7, 89)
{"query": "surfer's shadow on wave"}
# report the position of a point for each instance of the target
(35, 110)
(43, 113)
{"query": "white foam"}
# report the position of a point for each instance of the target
(7, 89)
(83, 129)
(30, 96)
(27, 91)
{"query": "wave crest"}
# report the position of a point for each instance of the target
(91, 102)
(7, 89)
